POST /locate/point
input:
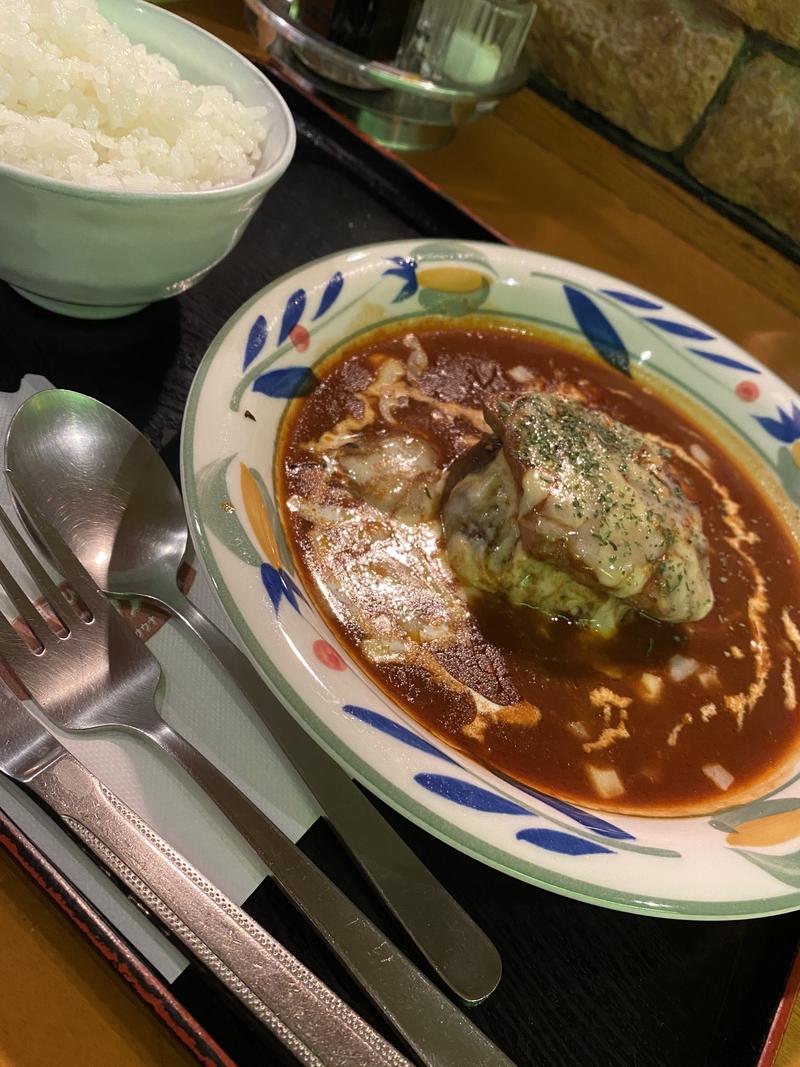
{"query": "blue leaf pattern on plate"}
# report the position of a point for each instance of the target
(634, 301)
(330, 296)
(256, 340)
(293, 312)
(394, 729)
(469, 795)
(585, 818)
(293, 587)
(277, 586)
(679, 329)
(407, 270)
(558, 841)
(288, 589)
(444, 786)
(785, 428)
(726, 361)
(598, 330)
(271, 579)
(286, 382)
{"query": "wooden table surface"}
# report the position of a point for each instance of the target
(545, 182)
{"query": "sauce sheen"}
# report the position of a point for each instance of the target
(665, 707)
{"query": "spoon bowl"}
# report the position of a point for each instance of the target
(104, 487)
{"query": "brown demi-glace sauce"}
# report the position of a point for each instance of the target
(744, 649)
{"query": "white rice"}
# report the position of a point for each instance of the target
(79, 102)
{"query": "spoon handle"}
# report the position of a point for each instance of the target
(456, 948)
(439, 1032)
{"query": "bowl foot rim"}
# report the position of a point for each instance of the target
(79, 311)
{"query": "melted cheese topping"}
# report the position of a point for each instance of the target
(739, 538)
(377, 548)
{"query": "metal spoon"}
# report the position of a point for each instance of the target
(111, 497)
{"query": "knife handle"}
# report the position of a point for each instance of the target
(311, 1021)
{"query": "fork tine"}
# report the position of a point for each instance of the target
(47, 586)
(12, 646)
(23, 605)
(68, 564)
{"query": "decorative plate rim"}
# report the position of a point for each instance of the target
(446, 830)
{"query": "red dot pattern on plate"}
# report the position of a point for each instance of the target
(748, 391)
(328, 656)
(299, 338)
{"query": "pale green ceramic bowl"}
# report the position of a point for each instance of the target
(97, 254)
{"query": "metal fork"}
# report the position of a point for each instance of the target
(96, 674)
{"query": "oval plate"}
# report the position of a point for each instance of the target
(264, 355)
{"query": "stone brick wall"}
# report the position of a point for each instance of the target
(714, 84)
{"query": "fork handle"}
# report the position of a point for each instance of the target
(310, 1020)
(454, 945)
(439, 1033)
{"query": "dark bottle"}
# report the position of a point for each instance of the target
(370, 28)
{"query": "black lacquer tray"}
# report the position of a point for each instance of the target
(583, 986)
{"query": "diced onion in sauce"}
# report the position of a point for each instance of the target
(721, 778)
(708, 677)
(651, 686)
(605, 780)
(521, 374)
(682, 667)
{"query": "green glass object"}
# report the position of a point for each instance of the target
(472, 42)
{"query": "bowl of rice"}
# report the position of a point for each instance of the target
(134, 150)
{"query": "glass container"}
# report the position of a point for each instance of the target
(369, 28)
(471, 42)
